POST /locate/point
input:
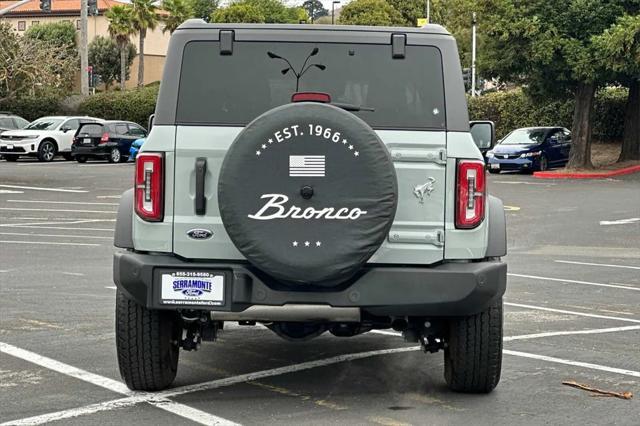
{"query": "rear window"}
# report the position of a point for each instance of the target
(91, 129)
(234, 89)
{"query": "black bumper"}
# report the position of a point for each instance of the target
(103, 150)
(449, 289)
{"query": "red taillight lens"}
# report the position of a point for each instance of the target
(311, 97)
(104, 138)
(75, 141)
(471, 193)
(149, 186)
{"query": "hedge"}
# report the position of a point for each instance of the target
(132, 105)
(510, 110)
(33, 107)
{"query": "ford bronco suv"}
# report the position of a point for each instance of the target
(313, 179)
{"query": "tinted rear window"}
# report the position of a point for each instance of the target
(234, 89)
(91, 129)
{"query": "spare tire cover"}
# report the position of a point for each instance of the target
(307, 193)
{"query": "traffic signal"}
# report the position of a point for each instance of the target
(93, 7)
(45, 5)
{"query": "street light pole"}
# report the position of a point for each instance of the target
(428, 11)
(84, 53)
(473, 56)
(333, 12)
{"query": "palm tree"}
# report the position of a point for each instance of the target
(121, 27)
(177, 11)
(144, 18)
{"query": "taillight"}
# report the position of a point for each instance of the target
(104, 138)
(75, 141)
(471, 193)
(311, 97)
(149, 186)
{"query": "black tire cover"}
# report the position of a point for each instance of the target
(340, 226)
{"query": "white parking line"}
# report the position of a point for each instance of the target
(49, 243)
(38, 188)
(62, 202)
(66, 222)
(597, 264)
(561, 280)
(562, 311)
(574, 363)
(571, 333)
(57, 210)
(156, 400)
(62, 228)
(620, 222)
(21, 234)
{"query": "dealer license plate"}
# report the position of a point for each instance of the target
(192, 288)
(9, 146)
(495, 166)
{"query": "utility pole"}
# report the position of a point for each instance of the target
(473, 56)
(84, 50)
(333, 12)
(428, 11)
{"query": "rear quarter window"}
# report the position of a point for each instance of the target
(234, 89)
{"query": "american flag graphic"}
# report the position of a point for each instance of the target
(306, 165)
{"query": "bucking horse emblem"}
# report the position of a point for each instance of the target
(425, 189)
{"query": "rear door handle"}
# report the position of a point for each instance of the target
(201, 172)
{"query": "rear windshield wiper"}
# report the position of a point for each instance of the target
(351, 107)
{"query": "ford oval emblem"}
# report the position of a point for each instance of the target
(199, 234)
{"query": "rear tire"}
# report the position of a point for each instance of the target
(147, 345)
(81, 159)
(473, 356)
(115, 156)
(11, 158)
(543, 163)
(47, 151)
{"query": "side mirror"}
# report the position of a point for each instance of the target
(484, 134)
(150, 123)
(553, 139)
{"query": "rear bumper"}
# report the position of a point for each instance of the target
(92, 151)
(450, 289)
(512, 164)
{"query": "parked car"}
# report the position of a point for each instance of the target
(254, 201)
(531, 149)
(10, 121)
(135, 148)
(44, 138)
(110, 140)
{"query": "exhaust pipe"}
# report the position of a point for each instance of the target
(290, 313)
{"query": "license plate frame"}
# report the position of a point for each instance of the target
(86, 141)
(494, 166)
(199, 288)
(10, 146)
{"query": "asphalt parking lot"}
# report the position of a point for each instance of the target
(572, 313)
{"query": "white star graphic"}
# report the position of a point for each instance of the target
(356, 153)
(258, 153)
(344, 141)
(306, 243)
(318, 243)
(295, 244)
(270, 140)
(264, 146)
(350, 146)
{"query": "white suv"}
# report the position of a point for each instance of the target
(43, 138)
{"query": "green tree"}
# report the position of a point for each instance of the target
(59, 35)
(315, 9)
(260, 11)
(121, 28)
(177, 11)
(547, 46)
(144, 18)
(619, 51)
(371, 12)
(204, 9)
(105, 58)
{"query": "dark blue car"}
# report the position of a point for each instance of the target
(531, 149)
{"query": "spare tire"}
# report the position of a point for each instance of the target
(307, 193)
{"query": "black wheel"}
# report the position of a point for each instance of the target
(47, 151)
(543, 163)
(473, 356)
(147, 345)
(11, 158)
(115, 156)
(67, 156)
(81, 159)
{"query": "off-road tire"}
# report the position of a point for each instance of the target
(147, 345)
(47, 151)
(473, 356)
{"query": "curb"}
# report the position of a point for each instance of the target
(598, 175)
